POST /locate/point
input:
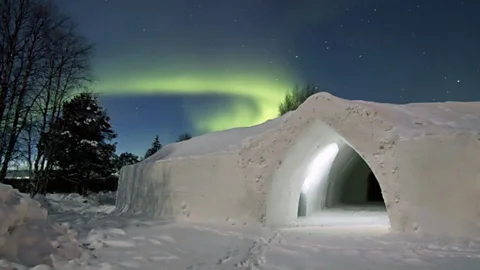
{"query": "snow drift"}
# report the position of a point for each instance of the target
(27, 237)
(425, 157)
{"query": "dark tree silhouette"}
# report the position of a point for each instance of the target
(126, 159)
(296, 97)
(184, 137)
(156, 146)
(42, 61)
(80, 141)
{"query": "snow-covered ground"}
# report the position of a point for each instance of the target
(119, 242)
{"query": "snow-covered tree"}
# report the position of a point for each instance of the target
(80, 141)
(156, 145)
(125, 159)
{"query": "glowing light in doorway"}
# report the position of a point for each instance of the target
(320, 165)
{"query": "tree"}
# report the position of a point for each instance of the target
(156, 146)
(296, 97)
(42, 60)
(184, 137)
(125, 159)
(80, 141)
(24, 25)
(68, 70)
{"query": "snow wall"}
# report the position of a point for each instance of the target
(425, 156)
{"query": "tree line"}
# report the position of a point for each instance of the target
(128, 158)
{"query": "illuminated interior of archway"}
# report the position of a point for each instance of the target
(323, 181)
(340, 189)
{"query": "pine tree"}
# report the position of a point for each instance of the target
(184, 137)
(296, 97)
(126, 159)
(156, 146)
(80, 141)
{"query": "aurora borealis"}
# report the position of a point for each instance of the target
(256, 93)
(171, 66)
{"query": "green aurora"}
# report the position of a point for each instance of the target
(262, 88)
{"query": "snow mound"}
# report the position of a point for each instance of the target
(27, 237)
(91, 204)
(103, 198)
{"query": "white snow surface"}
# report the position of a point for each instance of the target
(414, 119)
(110, 241)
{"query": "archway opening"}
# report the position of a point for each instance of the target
(351, 193)
(322, 180)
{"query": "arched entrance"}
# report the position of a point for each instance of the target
(324, 181)
(353, 195)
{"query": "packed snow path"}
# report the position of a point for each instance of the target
(133, 243)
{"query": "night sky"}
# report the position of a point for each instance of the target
(171, 66)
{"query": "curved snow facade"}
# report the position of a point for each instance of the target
(425, 157)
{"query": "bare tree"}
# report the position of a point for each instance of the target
(69, 72)
(22, 25)
(42, 62)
